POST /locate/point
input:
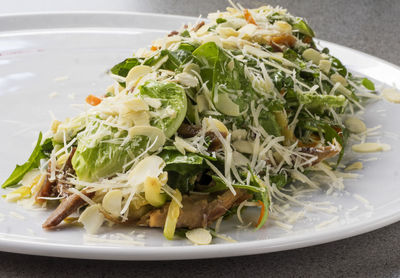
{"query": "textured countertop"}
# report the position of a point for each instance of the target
(370, 26)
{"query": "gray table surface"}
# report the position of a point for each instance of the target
(370, 26)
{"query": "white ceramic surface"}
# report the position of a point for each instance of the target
(50, 61)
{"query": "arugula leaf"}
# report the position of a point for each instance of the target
(304, 28)
(368, 84)
(331, 133)
(176, 58)
(182, 169)
(290, 54)
(125, 66)
(263, 197)
(220, 20)
(185, 34)
(47, 146)
(207, 54)
(280, 180)
(225, 77)
(39, 152)
(268, 121)
(345, 137)
(336, 63)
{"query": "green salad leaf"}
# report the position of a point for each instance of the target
(104, 158)
(303, 28)
(316, 101)
(125, 66)
(182, 169)
(263, 197)
(98, 157)
(172, 96)
(368, 84)
(40, 151)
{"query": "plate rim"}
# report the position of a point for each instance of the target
(105, 252)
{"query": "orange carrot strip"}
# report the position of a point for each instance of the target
(93, 100)
(261, 212)
(153, 48)
(249, 18)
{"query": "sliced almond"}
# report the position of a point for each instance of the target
(244, 146)
(342, 89)
(391, 94)
(313, 55)
(355, 166)
(151, 166)
(336, 77)
(283, 26)
(239, 159)
(212, 123)
(92, 219)
(199, 236)
(355, 125)
(213, 38)
(235, 23)
(112, 202)
(239, 134)
(325, 66)
(203, 30)
(226, 32)
(370, 147)
(135, 74)
(226, 106)
(247, 31)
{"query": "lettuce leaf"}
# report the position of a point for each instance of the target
(170, 95)
(103, 156)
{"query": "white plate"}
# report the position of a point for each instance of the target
(66, 56)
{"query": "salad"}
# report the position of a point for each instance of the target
(212, 118)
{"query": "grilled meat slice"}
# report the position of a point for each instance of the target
(321, 153)
(64, 209)
(198, 210)
(187, 130)
(47, 190)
